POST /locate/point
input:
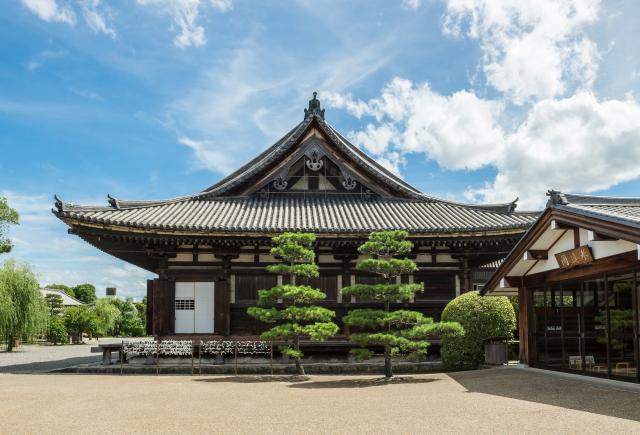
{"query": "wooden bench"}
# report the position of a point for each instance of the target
(107, 349)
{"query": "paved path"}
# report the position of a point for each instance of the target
(44, 358)
(495, 401)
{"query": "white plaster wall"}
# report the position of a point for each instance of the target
(607, 248)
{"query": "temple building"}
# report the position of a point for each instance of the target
(577, 275)
(210, 249)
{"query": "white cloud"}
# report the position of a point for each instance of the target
(216, 159)
(184, 14)
(244, 98)
(51, 11)
(531, 49)
(577, 144)
(411, 5)
(459, 131)
(97, 19)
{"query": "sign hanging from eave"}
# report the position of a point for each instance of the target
(574, 257)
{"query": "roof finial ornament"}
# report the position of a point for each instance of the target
(314, 108)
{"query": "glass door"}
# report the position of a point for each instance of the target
(595, 327)
(622, 340)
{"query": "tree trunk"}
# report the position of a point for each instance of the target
(11, 343)
(299, 368)
(388, 369)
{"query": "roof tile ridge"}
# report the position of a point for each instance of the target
(576, 199)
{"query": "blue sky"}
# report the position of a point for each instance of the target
(473, 100)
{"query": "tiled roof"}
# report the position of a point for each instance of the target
(622, 210)
(298, 212)
(67, 300)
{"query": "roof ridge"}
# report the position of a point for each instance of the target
(560, 198)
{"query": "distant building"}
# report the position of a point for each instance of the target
(67, 301)
(111, 292)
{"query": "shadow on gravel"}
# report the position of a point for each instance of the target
(364, 383)
(46, 366)
(254, 379)
(550, 390)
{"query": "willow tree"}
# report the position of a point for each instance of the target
(399, 331)
(23, 311)
(290, 306)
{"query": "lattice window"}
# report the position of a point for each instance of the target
(185, 304)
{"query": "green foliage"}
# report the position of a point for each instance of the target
(401, 331)
(290, 294)
(387, 244)
(8, 216)
(85, 293)
(305, 270)
(107, 314)
(383, 292)
(23, 311)
(54, 302)
(129, 323)
(57, 332)
(388, 268)
(79, 320)
(289, 306)
(482, 318)
(65, 288)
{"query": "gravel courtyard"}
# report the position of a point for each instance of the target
(502, 400)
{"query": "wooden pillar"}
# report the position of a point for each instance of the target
(525, 310)
(339, 291)
(232, 289)
(352, 279)
(466, 275)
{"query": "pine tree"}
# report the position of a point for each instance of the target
(399, 331)
(289, 306)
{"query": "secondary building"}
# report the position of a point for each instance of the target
(67, 301)
(210, 249)
(577, 275)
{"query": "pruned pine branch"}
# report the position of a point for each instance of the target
(383, 292)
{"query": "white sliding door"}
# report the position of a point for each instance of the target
(204, 292)
(185, 308)
(194, 307)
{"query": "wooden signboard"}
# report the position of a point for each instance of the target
(574, 257)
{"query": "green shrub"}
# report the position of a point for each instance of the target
(481, 317)
(57, 332)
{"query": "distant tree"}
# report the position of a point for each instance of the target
(57, 332)
(85, 293)
(8, 216)
(297, 317)
(54, 302)
(79, 320)
(129, 323)
(107, 315)
(141, 308)
(65, 288)
(23, 312)
(399, 331)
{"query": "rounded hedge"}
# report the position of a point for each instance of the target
(481, 317)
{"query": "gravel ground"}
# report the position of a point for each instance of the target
(501, 400)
